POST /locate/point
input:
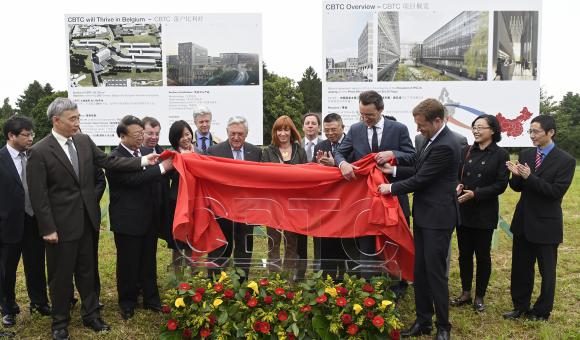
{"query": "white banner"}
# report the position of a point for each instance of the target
(475, 57)
(165, 66)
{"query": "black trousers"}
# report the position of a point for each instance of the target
(137, 265)
(524, 257)
(474, 241)
(431, 284)
(240, 243)
(32, 249)
(65, 260)
(333, 257)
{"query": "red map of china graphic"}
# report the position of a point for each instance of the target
(514, 127)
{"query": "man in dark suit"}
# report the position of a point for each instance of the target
(18, 228)
(203, 138)
(131, 209)
(238, 235)
(374, 134)
(61, 181)
(432, 177)
(543, 175)
(311, 130)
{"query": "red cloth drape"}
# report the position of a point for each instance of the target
(308, 199)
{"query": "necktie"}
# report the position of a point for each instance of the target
(333, 147)
(27, 205)
(238, 154)
(136, 153)
(539, 155)
(375, 141)
(74, 158)
(309, 151)
(203, 146)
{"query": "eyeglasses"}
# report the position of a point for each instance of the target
(480, 128)
(535, 132)
(27, 134)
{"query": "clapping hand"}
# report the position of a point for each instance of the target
(524, 170)
(325, 158)
(513, 167)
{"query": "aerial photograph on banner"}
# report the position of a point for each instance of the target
(515, 45)
(349, 47)
(207, 53)
(115, 55)
(432, 46)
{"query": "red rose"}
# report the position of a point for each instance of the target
(257, 325)
(346, 319)
(218, 287)
(368, 288)
(370, 315)
(290, 336)
(267, 299)
(200, 290)
(228, 294)
(378, 321)
(247, 295)
(263, 282)
(171, 324)
(341, 290)
(369, 302)
(395, 334)
(166, 309)
(321, 299)
(282, 316)
(340, 301)
(204, 332)
(184, 286)
(305, 309)
(352, 329)
(197, 297)
(265, 328)
(212, 319)
(290, 295)
(253, 302)
(187, 333)
(279, 291)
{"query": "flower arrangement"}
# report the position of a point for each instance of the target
(271, 307)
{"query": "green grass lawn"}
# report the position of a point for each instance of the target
(564, 322)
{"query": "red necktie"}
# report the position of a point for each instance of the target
(538, 158)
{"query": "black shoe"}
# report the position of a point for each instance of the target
(7, 334)
(478, 305)
(127, 313)
(514, 314)
(15, 308)
(9, 320)
(442, 334)
(460, 301)
(42, 309)
(97, 325)
(533, 316)
(153, 308)
(60, 334)
(417, 330)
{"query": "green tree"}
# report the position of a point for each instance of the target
(568, 117)
(38, 114)
(311, 88)
(6, 110)
(548, 106)
(281, 97)
(31, 96)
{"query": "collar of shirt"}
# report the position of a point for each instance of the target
(341, 138)
(131, 151)
(436, 134)
(545, 151)
(60, 138)
(379, 126)
(15, 154)
(314, 141)
(234, 151)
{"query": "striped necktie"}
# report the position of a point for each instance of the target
(539, 156)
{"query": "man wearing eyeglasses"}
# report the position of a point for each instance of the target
(542, 175)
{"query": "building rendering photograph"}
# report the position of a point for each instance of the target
(432, 46)
(349, 47)
(515, 45)
(115, 55)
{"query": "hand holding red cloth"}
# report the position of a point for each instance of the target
(308, 199)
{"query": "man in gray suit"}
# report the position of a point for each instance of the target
(238, 235)
(374, 134)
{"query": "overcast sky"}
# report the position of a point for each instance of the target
(34, 46)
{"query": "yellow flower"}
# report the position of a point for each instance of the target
(223, 276)
(254, 286)
(385, 304)
(217, 302)
(179, 302)
(209, 285)
(357, 308)
(330, 291)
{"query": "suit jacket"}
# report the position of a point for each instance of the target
(326, 146)
(132, 197)
(433, 183)
(11, 200)
(212, 141)
(160, 193)
(538, 214)
(59, 198)
(252, 153)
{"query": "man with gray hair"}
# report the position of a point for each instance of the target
(61, 184)
(203, 139)
(238, 235)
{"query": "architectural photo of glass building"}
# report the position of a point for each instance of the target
(389, 45)
(515, 45)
